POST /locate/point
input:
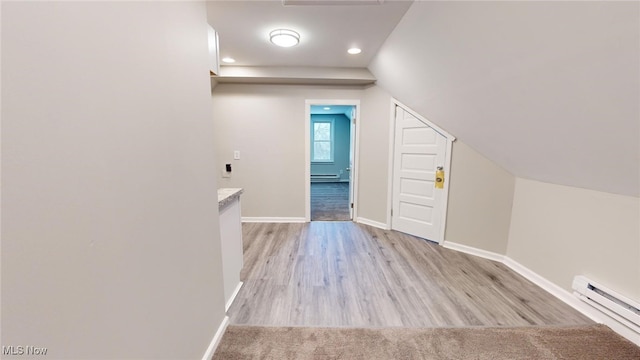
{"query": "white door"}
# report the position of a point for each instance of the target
(352, 143)
(418, 151)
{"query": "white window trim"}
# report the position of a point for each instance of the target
(331, 141)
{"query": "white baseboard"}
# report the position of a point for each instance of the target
(573, 301)
(249, 219)
(377, 224)
(530, 275)
(553, 289)
(216, 339)
(233, 296)
(474, 251)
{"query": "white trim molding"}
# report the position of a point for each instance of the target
(572, 300)
(375, 224)
(233, 296)
(392, 130)
(307, 151)
(331, 141)
(553, 289)
(216, 339)
(447, 162)
(447, 182)
(251, 219)
(435, 127)
(473, 251)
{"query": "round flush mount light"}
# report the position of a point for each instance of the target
(326, 108)
(228, 60)
(354, 51)
(284, 37)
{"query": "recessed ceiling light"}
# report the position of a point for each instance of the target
(354, 51)
(284, 37)
(327, 108)
(228, 60)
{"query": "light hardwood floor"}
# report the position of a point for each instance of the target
(348, 274)
(330, 201)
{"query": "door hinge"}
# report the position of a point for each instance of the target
(354, 120)
(352, 205)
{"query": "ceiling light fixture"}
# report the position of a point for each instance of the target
(354, 51)
(284, 37)
(228, 60)
(326, 108)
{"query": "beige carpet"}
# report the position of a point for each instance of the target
(539, 343)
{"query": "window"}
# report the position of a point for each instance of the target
(322, 141)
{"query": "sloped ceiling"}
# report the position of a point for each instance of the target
(327, 29)
(548, 90)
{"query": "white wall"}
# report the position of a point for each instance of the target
(110, 237)
(374, 154)
(266, 123)
(559, 232)
(480, 200)
(548, 90)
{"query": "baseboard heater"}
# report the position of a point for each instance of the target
(612, 304)
(324, 177)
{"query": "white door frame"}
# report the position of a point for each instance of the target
(447, 162)
(307, 152)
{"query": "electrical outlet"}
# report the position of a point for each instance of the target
(236, 155)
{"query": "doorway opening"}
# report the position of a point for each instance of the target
(331, 157)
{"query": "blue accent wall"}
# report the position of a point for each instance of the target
(342, 138)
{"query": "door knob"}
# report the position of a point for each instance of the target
(439, 178)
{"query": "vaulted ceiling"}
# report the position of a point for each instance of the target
(548, 90)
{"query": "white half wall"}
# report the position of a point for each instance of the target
(559, 232)
(110, 237)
